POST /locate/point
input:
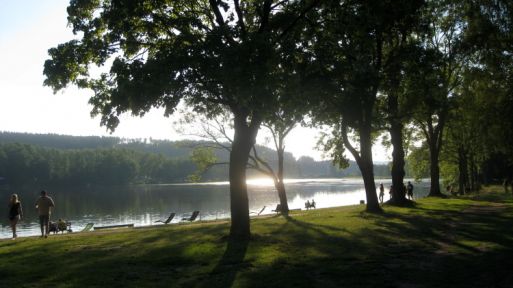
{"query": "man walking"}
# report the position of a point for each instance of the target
(409, 190)
(44, 208)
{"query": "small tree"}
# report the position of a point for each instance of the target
(216, 132)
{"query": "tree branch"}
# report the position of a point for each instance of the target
(287, 131)
(266, 10)
(278, 4)
(273, 133)
(263, 162)
(217, 13)
(299, 17)
(348, 144)
(240, 15)
(219, 19)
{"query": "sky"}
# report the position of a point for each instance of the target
(28, 28)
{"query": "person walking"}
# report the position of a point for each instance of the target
(44, 208)
(409, 190)
(15, 213)
(381, 192)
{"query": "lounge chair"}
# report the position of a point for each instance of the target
(171, 216)
(258, 213)
(192, 218)
(129, 225)
(88, 227)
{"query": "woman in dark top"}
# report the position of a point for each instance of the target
(15, 213)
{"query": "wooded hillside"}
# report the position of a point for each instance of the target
(62, 159)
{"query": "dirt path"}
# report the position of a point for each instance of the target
(490, 208)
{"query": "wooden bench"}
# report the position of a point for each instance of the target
(115, 226)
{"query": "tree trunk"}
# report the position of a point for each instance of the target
(398, 193)
(463, 168)
(280, 186)
(473, 173)
(434, 190)
(461, 171)
(243, 140)
(396, 137)
(282, 195)
(366, 167)
(364, 161)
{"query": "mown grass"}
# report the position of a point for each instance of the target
(455, 242)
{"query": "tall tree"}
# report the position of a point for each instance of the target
(436, 75)
(351, 51)
(398, 49)
(212, 54)
(489, 37)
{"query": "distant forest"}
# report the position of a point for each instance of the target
(60, 159)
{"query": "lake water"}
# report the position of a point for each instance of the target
(145, 204)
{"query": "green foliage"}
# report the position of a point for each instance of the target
(332, 146)
(203, 158)
(86, 160)
(161, 52)
(449, 173)
(29, 164)
(418, 163)
(447, 63)
(476, 67)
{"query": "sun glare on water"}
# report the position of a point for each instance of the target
(260, 182)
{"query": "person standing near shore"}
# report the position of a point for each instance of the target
(381, 192)
(15, 213)
(44, 208)
(409, 190)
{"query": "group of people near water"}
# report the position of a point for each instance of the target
(44, 205)
(408, 189)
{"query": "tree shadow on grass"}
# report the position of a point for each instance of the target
(436, 248)
(457, 249)
(450, 232)
(230, 264)
(318, 228)
(491, 197)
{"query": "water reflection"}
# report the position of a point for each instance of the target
(145, 204)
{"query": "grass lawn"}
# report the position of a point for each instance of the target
(455, 242)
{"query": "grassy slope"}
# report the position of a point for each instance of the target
(439, 243)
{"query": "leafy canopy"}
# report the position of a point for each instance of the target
(209, 53)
